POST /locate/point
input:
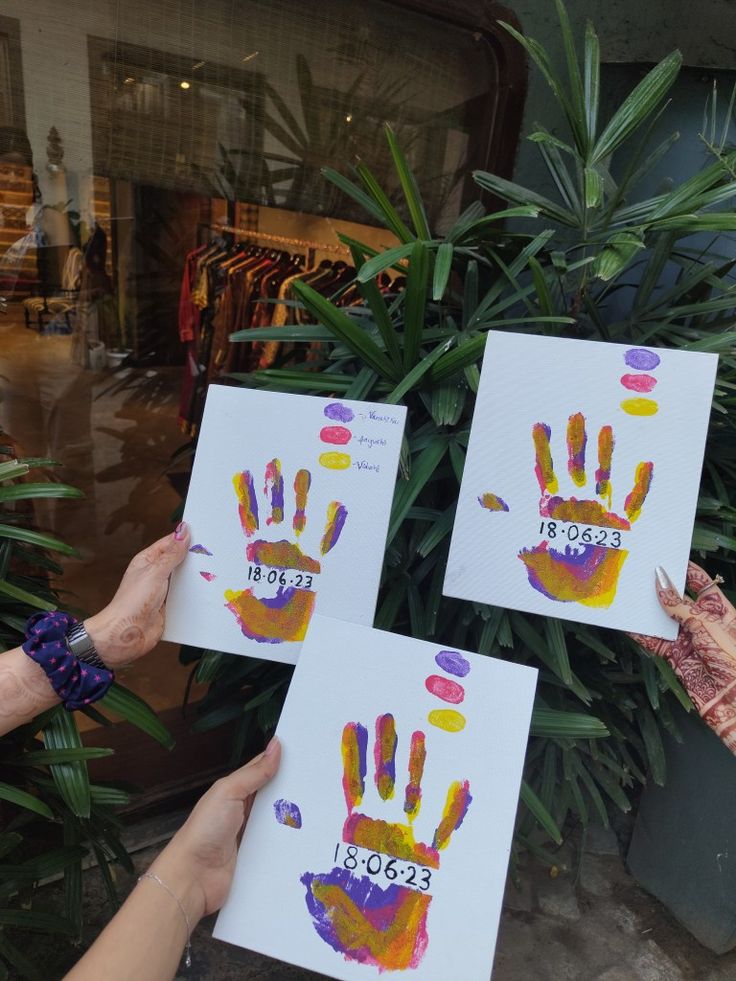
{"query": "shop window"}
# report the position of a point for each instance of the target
(250, 101)
(130, 134)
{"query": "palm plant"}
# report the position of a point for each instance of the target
(601, 703)
(52, 816)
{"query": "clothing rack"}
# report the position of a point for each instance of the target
(280, 239)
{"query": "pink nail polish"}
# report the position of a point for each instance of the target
(180, 531)
(271, 748)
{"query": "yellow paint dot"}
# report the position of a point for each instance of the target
(447, 719)
(335, 461)
(640, 407)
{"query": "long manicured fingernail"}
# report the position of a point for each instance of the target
(663, 580)
(180, 532)
(271, 748)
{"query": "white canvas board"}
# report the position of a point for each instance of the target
(582, 476)
(288, 507)
(350, 884)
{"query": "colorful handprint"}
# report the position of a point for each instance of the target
(285, 615)
(386, 928)
(586, 572)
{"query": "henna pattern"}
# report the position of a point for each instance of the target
(24, 690)
(129, 627)
(704, 654)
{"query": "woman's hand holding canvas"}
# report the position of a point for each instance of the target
(703, 655)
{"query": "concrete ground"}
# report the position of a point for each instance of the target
(587, 921)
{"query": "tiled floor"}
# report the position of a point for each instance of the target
(113, 434)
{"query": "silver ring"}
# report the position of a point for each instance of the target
(717, 581)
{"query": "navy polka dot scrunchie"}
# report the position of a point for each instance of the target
(77, 684)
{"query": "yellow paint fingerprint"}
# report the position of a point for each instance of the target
(544, 467)
(447, 719)
(335, 461)
(642, 482)
(640, 407)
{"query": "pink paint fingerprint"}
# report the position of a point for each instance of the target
(339, 412)
(200, 550)
(338, 435)
(287, 813)
(444, 688)
(641, 359)
(209, 576)
(453, 663)
(638, 383)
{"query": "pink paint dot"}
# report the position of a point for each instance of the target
(444, 688)
(335, 434)
(639, 383)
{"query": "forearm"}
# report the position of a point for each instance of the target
(145, 940)
(24, 690)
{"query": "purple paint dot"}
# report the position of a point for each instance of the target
(639, 357)
(339, 412)
(453, 663)
(200, 550)
(287, 813)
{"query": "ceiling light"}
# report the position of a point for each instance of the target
(199, 64)
(349, 118)
(184, 85)
(251, 56)
(129, 80)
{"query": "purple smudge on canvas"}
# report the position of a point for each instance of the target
(288, 813)
(209, 576)
(453, 663)
(339, 412)
(200, 550)
(639, 357)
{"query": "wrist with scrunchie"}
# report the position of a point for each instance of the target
(77, 683)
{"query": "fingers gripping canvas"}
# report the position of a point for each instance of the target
(288, 508)
(581, 477)
(382, 843)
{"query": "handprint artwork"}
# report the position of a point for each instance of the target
(384, 927)
(284, 615)
(381, 847)
(289, 505)
(572, 521)
(584, 571)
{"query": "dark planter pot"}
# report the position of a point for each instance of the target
(683, 850)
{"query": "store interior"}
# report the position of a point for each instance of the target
(163, 166)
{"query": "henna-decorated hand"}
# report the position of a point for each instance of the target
(132, 623)
(704, 654)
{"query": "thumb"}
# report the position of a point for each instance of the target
(249, 778)
(678, 607)
(166, 554)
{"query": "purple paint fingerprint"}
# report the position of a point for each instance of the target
(640, 358)
(200, 550)
(339, 412)
(209, 576)
(453, 662)
(287, 813)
